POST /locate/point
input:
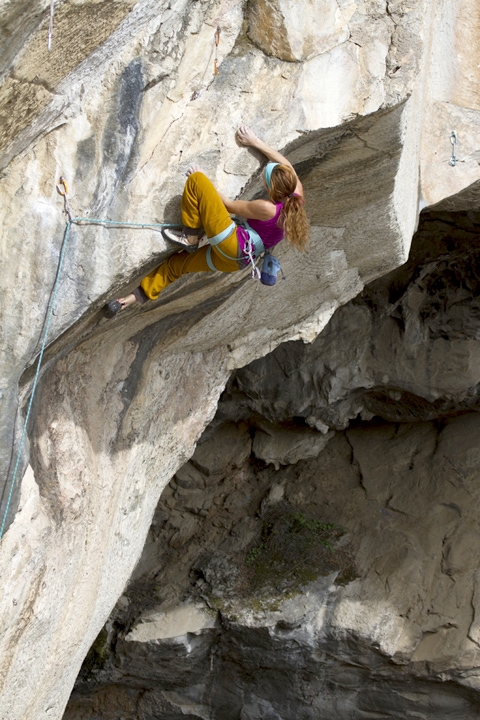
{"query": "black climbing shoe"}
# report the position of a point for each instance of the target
(112, 308)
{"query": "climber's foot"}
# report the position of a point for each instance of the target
(193, 169)
(128, 300)
(181, 238)
(115, 306)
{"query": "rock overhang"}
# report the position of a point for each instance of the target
(122, 126)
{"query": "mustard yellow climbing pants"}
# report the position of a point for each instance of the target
(201, 207)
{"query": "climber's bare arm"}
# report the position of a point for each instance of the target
(246, 136)
(256, 209)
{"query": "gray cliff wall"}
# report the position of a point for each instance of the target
(363, 103)
(300, 572)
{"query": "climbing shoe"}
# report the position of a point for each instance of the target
(179, 237)
(112, 308)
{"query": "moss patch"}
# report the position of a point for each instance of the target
(144, 594)
(294, 550)
(97, 656)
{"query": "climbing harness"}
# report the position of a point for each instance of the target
(50, 27)
(253, 248)
(216, 40)
(62, 189)
(454, 141)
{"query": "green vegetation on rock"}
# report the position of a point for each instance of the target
(293, 550)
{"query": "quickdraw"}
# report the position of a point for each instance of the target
(249, 250)
(62, 189)
(216, 39)
(454, 141)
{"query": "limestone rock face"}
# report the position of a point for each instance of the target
(351, 641)
(120, 106)
(296, 36)
(406, 349)
(287, 446)
(337, 583)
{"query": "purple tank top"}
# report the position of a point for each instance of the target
(268, 230)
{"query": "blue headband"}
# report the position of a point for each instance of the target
(268, 173)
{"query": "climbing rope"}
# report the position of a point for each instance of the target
(35, 380)
(62, 189)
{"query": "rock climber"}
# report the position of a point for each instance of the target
(230, 247)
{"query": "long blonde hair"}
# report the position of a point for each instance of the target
(293, 218)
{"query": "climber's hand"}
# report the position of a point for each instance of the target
(245, 136)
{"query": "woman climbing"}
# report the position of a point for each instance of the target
(230, 247)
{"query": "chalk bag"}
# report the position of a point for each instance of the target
(270, 269)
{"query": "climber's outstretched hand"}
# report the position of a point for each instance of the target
(246, 136)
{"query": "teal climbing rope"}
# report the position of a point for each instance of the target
(37, 373)
(71, 221)
(93, 221)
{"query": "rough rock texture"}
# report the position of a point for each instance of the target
(125, 100)
(344, 648)
(239, 610)
(407, 349)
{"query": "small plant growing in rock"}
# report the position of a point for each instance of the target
(293, 550)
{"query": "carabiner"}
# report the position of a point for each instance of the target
(454, 141)
(63, 182)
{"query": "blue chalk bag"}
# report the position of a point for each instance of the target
(270, 269)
